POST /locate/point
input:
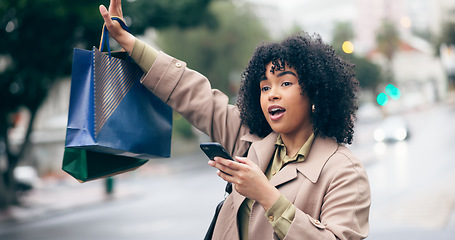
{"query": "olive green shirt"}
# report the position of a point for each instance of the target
(144, 55)
(282, 212)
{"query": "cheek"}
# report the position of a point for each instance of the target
(264, 106)
(303, 102)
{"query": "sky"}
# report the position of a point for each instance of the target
(314, 16)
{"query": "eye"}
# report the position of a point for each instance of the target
(285, 84)
(265, 88)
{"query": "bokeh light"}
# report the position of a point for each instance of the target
(382, 99)
(405, 22)
(348, 47)
(393, 92)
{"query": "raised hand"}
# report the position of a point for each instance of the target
(124, 38)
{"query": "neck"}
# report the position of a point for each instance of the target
(294, 141)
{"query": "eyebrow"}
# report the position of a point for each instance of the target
(263, 78)
(286, 72)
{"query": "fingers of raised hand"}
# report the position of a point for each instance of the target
(115, 8)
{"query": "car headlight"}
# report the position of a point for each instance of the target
(401, 134)
(379, 135)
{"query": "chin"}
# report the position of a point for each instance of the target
(280, 129)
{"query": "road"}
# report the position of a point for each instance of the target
(413, 182)
(412, 185)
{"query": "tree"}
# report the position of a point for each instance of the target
(164, 13)
(342, 32)
(448, 28)
(36, 42)
(221, 54)
(388, 42)
(367, 73)
(448, 39)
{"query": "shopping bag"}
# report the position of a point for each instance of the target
(114, 123)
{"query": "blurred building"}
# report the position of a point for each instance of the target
(271, 17)
(409, 16)
(312, 16)
(48, 137)
(417, 70)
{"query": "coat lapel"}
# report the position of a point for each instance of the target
(321, 150)
(311, 168)
(261, 152)
(262, 149)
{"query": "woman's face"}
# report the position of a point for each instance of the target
(283, 103)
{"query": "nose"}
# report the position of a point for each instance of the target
(274, 94)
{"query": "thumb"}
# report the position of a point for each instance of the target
(243, 160)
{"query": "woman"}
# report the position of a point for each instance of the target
(293, 177)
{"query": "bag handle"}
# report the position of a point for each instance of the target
(105, 34)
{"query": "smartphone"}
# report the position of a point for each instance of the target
(214, 149)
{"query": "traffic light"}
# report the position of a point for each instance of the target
(390, 91)
(393, 92)
(382, 99)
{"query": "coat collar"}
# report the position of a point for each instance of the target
(262, 149)
(321, 150)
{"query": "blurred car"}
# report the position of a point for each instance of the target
(392, 129)
(369, 112)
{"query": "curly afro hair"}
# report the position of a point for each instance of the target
(328, 80)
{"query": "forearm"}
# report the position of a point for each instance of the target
(127, 41)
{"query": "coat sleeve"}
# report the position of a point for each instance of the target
(345, 206)
(190, 94)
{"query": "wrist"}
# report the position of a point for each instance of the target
(270, 197)
(127, 41)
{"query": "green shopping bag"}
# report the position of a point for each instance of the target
(85, 165)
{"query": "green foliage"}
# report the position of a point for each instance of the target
(164, 13)
(38, 37)
(220, 52)
(448, 32)
(388, 39)
(181, 127)
(342, 32)
(367, 73)
(448, 35)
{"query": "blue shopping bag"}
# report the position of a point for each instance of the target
(114, 123)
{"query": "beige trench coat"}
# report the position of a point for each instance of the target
(330, 188)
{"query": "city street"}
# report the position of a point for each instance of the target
(412, 185)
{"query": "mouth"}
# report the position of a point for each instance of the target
(276, 112)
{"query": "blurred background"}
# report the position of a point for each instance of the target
(404, 52)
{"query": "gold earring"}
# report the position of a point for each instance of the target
(313, 108)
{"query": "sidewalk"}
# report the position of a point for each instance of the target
(57, 195)
(61, 193)
(431, 208)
